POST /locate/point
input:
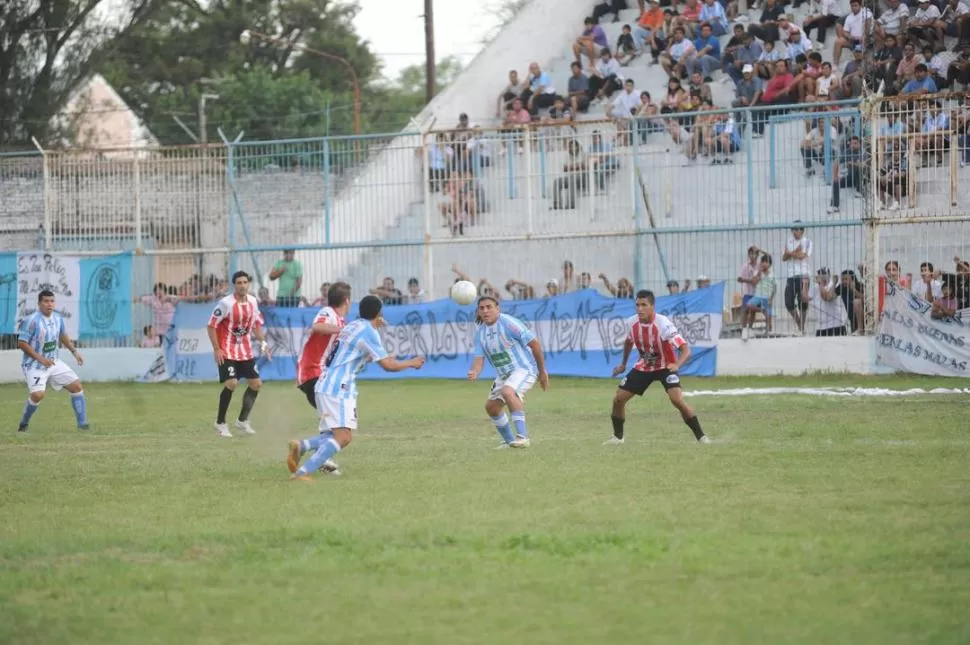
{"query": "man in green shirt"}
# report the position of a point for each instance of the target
(290, 274)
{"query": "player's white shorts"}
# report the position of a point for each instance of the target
(519, 380)
(336, 412)
(59, 374)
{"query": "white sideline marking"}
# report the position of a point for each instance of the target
(827, 391)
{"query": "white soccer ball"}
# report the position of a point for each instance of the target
(464, 292)
(245, 37)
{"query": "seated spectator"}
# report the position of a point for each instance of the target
(690, 105)
(934, 136)
(649, 31)
(702, 139)
(922, 84)
(606, 7)
(936, 66)
(884, 63)
(646, 117)
(578, 87)
(906, 70)
(925, 25)
(891, 22)
(702, 87)
(828, 17)
(573, 179)
(674, 97)
(622, 110)
(893, 179)
(849, 170)
(590, 41)
(540, 93)
(603, 159)
(813, 145)
(714, 15)
(799, 45)
(765, 67)
(748, 94)
(778, 90)
(959, 70)
(678, 52)
(604, 78)
(767, 28)
(744, 52)
(626, 49)
(514, 89)
(727, 141)
(806, 81)
(960, 27)
(516, 119)
(689, 18)
(853, 30)
(827, 85)
(706, 55)
(558, 113)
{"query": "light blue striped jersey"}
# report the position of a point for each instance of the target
(506, 345)
(357, 344)
(42, 334)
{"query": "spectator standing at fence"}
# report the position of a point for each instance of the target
(930, 288)
(961, 283)
(765, 287)
(798, 271)
(289, 272)
(748, 276)
(826, 302)
(388, 293)
(163, 310)
(415, 294)
(849, 170)
(852, 294)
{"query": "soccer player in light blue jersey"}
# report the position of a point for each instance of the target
(40, 335)
(336, 389)
(516, 354)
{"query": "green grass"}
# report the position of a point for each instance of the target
(813, 520)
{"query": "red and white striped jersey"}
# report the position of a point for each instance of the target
(317, 347)
(234, 321)
(656, 341)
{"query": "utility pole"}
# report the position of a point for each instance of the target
(429, 58)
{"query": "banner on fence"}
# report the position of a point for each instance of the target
(581, 334)
(911, 340)
(93, 293)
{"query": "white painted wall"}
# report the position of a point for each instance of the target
(393, 181)
(761, 357)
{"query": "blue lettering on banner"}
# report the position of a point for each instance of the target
(8, 293)
(581, 334)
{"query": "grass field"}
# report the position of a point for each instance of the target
(812, 520)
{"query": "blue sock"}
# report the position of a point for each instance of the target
(29, 408)
(314, 443)
(329, 448)
(80, 408)
(518, 418)
(502, 425)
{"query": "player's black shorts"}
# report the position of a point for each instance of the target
(308, 387)
(637, 382)
(793, 293)
(238, 370)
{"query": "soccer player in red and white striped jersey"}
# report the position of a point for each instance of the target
(234, 319)
(326, 326)
(663, 351)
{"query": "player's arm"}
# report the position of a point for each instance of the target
(259, 331)
(683, 354)
(478, 362)
(540, 359)
(218, 314)
(68, 344)
(324, 327)
(627, 349)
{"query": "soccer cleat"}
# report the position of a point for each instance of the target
(520, 442)
(613, 441)
(705, 439)
(222, 429)
(22, 427)
(244, 427)
(293, 455)
(84, 427)
(502, 446)
(330, 467)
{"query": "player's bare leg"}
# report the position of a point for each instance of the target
(249, 400)
(495, 409)
(517, 412)
(618, 416)
(676, 396)
(225, 398)
(79, 404)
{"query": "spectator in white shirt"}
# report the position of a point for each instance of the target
(605, 78)
(892, 21)
(931, 288)
(798, 269)
(624, 106)
(832, 318)
(678, 51)
(936, 66)
(923, 25)
(829, 17)
(853, 31)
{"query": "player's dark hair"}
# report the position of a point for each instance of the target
(370, 307)
(646, 294)
(338, 294)
(478, 318)
(240, 274)
(46, 293)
